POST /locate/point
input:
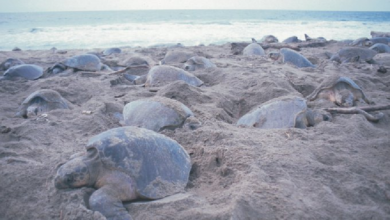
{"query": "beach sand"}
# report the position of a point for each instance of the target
(338, 169)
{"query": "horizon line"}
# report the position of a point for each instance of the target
(314, 10)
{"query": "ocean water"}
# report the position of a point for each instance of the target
(71, 30)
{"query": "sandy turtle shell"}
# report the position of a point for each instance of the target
(253, 49)
(293, 39)
(350, 54)
(376, 40)
(10, 62)
(42, 101)
(295, 58)
(87, 62)
(197, 62)
(282, 112)
(27, 71)
(157, 113)
(360, 41)
(380, 48)
(339, 89)
(162, 75)
(177, 56)
(269, 39)
(110, 51)
(126, 164)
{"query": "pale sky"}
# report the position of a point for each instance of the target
(110, 5)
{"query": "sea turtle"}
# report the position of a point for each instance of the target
(269, 39)
(351, 54)
(157, 114)
(375, 40)
(10, 62)
(282, 112)
(253, 49)
(125, 164)
(293, 39)
(162, 75)
(341, 90)
(197, 62)
(110, 51)
(86, 62)
(286, 55)
(42, 101)
(380, 34)
(27, 71)
(307, 38)
(363, 41)
(381, 48)
(177, 57)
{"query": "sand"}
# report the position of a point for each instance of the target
(338, 169)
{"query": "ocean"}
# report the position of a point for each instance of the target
(102, 29)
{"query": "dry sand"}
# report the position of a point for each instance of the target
(338, 169)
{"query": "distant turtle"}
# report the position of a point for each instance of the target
(307, 38)
(380, 34)
(86, 62)
(351, 54)
(110, 51)
(157, 114)
(253, 49)
(197, 62)
(376, 40)
(286, 55)
(42, 101)
(269, 39)
(10, 62)
(16, 49)
(282, 112)
(135, 61)
(177, 57)
(293, 39)
(341, 90)
(27, 71)
(363, 41)
(381, 48)
(126, 164)
(162, 75)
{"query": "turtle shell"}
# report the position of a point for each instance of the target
(381, 48)
(159, 165)
(197, 62)
(27, 71)
(157, 113)
(293, 39)
(363, 54)
(10, 62)
(162, 75)
(276, 113)
(44, 100)
(173, 57)
(334, 82)
(87, 62)
(253, 49)
(110, 51)
(290, 56)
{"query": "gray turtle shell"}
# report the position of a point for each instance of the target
(293, 39)
(331, 83)
(159, 165)
(197, 62)
(277, 113)
(135, 61)
(162, 75)
(157, 113)
(45, 99)
(10, 62)
(381, 48)
(110, 51)
(269, 39)
(346, 54)
(253, 49)
(87, 62)
(173, 57)
(27, 71)
(290, 56)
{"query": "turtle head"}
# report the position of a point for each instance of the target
(73, 174)
(344, 98)
(275, 55)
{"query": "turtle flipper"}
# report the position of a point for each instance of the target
(105, 201)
